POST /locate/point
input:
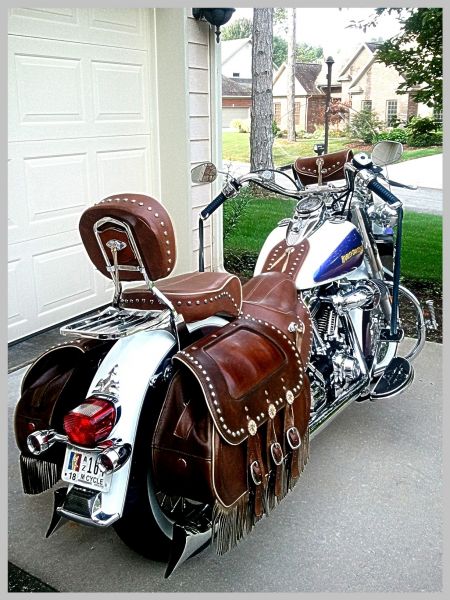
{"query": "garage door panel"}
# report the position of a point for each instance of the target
(51, 197)
(64, 90)
(49, 89)
(17, 205)
(127, 102)
(107, 26)
(123, 171)
(63, 277)
(19, 297)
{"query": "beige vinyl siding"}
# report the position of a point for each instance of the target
(200, 139)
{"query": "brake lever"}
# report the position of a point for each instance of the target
(401, 185)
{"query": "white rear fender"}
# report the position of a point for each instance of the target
(126, 373)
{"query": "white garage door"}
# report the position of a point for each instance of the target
(79, 130)
(236, 112)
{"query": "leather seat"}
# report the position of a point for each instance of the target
(196, 296)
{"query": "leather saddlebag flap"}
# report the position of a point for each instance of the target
(233, 429)
(332, 167)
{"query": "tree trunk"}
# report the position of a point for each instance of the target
(291, 76)
(261, 135)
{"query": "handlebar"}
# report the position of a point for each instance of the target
(213, 206)
(383, 192)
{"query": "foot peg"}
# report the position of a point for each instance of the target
(397, 376)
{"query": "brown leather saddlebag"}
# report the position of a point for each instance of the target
(54, 384)
(233, 429)
(307, 169)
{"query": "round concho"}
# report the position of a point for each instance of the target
(289, 397)
(272, 411)
(252, 427)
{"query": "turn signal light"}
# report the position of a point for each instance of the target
(90, 422)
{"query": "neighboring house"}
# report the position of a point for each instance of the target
(237, 58)
(309, 99)
(370, 84)
(102, 101)
(236, 100)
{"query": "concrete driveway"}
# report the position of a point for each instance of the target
(365, 517)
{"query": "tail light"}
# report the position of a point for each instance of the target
(90, 422)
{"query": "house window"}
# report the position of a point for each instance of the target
(236, 74)
(391, 112)
(437, 116)
(277, 112)
(297, 113)
(366, 104)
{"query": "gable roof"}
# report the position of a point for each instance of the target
(370, 46)
(306, 74)
(231, 47)
(236, 87)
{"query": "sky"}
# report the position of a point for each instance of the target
(326, 27)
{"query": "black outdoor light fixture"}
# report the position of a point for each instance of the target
(216, 17)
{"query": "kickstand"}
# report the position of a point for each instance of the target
(57, 521)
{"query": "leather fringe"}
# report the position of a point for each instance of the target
(38, 475)
(230, 525)
(303, 455)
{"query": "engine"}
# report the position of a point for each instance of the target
(334, 364)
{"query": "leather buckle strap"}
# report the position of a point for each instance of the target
(276, 453)
(256, 472)
(293, 438)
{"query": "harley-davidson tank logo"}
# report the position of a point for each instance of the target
(353, 252)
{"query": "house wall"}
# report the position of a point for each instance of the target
(204, 87)
(280, 87)
(240, 63)
(378, 84)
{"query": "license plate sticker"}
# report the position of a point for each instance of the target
(81, 468)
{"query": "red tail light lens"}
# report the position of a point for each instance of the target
(91, 422)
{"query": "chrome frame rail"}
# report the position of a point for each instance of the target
(114, 323)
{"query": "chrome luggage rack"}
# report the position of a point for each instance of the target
(113, 323)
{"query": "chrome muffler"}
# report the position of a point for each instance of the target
(40, 441)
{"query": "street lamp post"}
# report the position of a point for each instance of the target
(329, 63)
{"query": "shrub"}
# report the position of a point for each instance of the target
(398, 134)
(240, 262)
(365, 125)
(234, 210)
(275, 129)
(319, 131)
(422, 132)
(423, 140)
(336, 133)
(242, 125)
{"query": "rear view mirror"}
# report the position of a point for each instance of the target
(386, 153)
(204, 173)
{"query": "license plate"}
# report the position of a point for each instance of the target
(81, 467)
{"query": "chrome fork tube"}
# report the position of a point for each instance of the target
(372, 257)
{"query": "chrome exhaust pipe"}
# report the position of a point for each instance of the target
(113, 458)
(40, 441)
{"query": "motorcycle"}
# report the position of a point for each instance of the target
(181, 414)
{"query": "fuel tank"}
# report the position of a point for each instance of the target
(335, 251)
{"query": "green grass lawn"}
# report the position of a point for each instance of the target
(236, 147)
(422, 235)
